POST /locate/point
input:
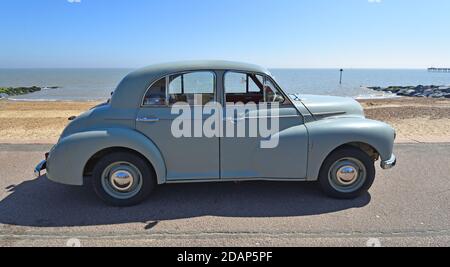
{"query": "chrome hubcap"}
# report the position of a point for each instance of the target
(347, 175)
(122, 180)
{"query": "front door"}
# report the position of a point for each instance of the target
(246, 156)
(187, 157)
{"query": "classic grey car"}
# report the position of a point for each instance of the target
(127, 146)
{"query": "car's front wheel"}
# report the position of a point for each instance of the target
(123, 179)
(347, 173)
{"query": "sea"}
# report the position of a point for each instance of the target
(97, 84)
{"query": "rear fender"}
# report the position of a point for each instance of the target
(69, 157)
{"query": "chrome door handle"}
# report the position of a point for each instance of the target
(234, 120)
(146, 119)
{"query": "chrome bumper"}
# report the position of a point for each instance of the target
(389, 164)
(39, 168)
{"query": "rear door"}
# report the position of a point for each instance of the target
(186, 157)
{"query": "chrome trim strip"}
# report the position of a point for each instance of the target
(333, 113)
(145, 119)
(264, 117)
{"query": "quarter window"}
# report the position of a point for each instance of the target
(156, 95)
(271, 93)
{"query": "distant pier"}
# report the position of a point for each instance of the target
(439, 69)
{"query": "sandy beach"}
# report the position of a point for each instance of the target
(417, 120)
(36, 122)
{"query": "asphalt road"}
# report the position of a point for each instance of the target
(407, 206)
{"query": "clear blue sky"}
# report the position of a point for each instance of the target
(273, 33)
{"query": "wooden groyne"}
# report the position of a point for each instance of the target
(439, 69)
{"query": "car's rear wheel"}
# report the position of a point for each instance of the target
(123, 179)
(347, 173)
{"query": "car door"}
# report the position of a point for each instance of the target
(244, 156)
(186, 157)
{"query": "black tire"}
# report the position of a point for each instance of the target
(365, 183)
(147, 181)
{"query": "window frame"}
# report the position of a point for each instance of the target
(287, 100)
(167, 79)
(247, 81)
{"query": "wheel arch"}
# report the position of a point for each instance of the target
(90, 165)
(74, 155)
(373, 137)
(365, 147)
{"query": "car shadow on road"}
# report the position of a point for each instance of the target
(41, 203)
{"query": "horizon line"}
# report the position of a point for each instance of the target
(273, 68)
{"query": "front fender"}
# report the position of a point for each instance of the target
(67, 160)
(329, 134)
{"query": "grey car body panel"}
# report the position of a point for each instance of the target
(310, 130)
(186, 158)
(338, 121)
(244, 157)
(69, 157)
(331, 106)
(102, 117)
(328, 134)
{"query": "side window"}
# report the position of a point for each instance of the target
(245, 88)
(156, 95)
(241, 83)
(195, 88)
(236, 83)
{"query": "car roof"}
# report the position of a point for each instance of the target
(180, 66)
(131, 89)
